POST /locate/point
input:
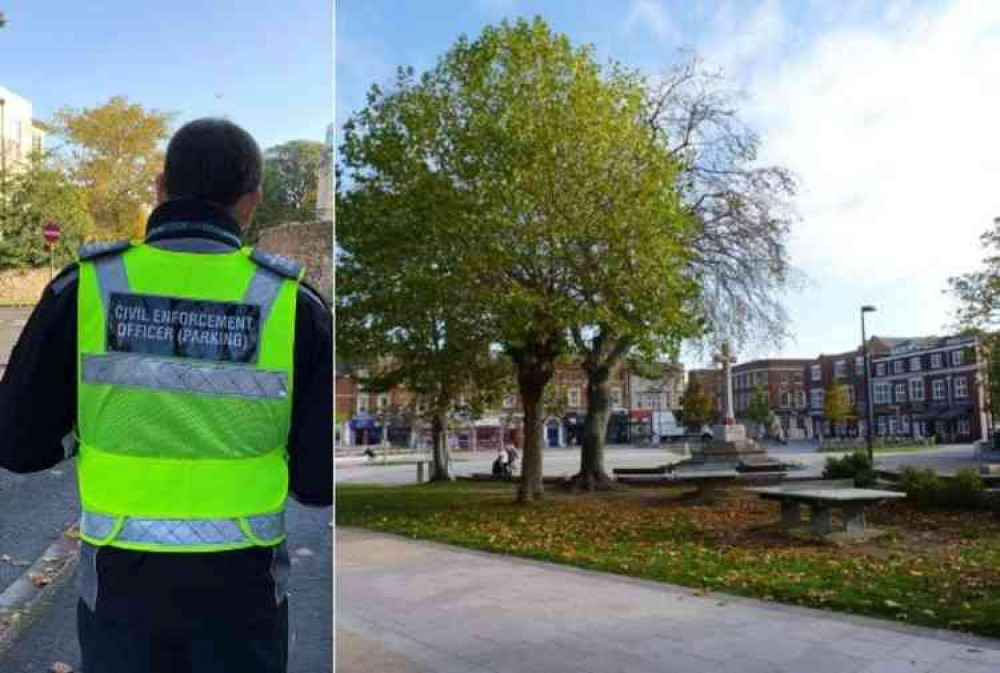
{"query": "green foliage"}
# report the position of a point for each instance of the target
(545, 206)
(963, 491)
(856, 466)
(697, 405)
(116, 155)
(925, 489)
(922, 486)
(291, 183)
(759, 409)
(41, 193)
(837, 406)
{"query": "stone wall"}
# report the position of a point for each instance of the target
(309, 244)
(22, 287)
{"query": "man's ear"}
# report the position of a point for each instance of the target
(161, 189)
(246, 205)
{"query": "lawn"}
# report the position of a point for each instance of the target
(939, 569)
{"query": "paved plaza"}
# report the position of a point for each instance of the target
(417, 607)
(566, 461)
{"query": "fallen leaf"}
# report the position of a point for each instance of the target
(60, 667)
(39, 580)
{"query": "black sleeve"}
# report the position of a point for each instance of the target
(38, 389)
(310, 441)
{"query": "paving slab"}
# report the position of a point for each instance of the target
(431, 607)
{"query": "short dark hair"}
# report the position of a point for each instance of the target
(214, 160)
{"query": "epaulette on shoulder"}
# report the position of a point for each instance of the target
(280, 265)
(91, 251)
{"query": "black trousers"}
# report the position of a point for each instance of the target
(117, 647)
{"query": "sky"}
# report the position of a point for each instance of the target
(269, 68)
(887, 112)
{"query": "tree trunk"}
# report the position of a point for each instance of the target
(592, 476)
(532, 377)
(441, 468)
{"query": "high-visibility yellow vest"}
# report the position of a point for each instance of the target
(184, 396)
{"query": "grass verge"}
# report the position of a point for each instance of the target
(937, 569)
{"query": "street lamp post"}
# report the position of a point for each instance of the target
(868, 384)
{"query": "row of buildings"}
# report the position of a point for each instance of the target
(393, 417)
(921, 387)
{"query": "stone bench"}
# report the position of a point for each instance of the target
(822, 499)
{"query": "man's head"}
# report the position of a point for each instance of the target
(213, 160)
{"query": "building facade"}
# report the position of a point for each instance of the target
(20, 133)
(931, 387)
(782, 380)
(397, 417)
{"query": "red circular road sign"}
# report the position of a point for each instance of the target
(51, 232)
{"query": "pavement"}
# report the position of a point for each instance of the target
(408, 606)
(34, 510)
(11, 322)
(566, 461)
(51, 636)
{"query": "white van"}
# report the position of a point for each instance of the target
(665, 427)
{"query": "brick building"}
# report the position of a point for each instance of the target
(931, 387)
(395, 417)
(783, 382)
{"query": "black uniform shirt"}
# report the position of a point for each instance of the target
(165, 587)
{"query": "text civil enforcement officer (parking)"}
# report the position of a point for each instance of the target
(192, 379)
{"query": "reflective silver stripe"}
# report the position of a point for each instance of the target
(126, 369)
(96, 525)
(267, 526)
(263, 290)
(111, 276)
(183, 532)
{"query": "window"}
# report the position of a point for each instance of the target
(800, 398)
(880, 425)
(892, 425)
(937, 391)
(420, 408)
(882, 393)
(817, 398)
(508, 401)
(964, 426)
(935, 361)
(363, 403)
(382, 402)
(616, 397)
(905, 424)
(917, 390)
(880, 369)
(850, 395)
(839, 369)
(797, 377)
(463, 400)
(574, 397)
(900, 391)
(786, 399)
(816, 372)
(961, 387)
(897, 367)
(859, 366)
(956, 358)
(915, 364)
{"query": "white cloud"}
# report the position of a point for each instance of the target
(894, 130)
(652, 16)
(896, 136)
(742, 42)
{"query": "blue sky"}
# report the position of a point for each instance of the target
(887, 112)
(267, 65)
